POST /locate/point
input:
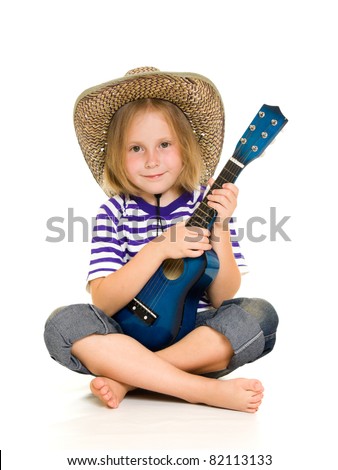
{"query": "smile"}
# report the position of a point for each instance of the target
(153, 177)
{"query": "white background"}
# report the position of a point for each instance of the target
(279, 53)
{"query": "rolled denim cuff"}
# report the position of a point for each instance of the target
(242, 330)
(68, 324)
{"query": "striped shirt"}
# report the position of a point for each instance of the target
(125, 224)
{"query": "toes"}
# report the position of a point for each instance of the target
(104, 390)
(254, 386)
(98, 383)
(257, 386)
(256, 398)
(107, 396)
(104, 393)
(112, 403)
(252, 410)
(253, 406)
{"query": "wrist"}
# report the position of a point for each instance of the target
(157, 248)
(221, 233)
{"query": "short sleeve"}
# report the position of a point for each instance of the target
(106, 255)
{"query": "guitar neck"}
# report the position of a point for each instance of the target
(204, 214)
(267, 123)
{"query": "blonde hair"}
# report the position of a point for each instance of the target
(115, 176)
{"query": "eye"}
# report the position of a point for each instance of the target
(165, 145)
(135, 148)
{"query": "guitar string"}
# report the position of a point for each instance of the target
(157, 285)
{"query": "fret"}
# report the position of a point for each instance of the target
(204, 211)
(265, 126)
(195, 220)
(227, 179)
(201, 218)
(197, 223)
(204, 214)
(224, 180)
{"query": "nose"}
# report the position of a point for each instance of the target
(152, 160)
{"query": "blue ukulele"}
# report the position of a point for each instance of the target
(165, 309)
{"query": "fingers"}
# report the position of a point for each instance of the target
(197, 234)
(210, 182)
(194, 253)
(228, 189)
(224, 200)
(197, 241)
(182, 241)
(229, 186)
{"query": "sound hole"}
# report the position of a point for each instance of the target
(173, 268)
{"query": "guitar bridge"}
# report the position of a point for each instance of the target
(142, 311)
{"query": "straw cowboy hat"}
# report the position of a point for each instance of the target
(194, 94)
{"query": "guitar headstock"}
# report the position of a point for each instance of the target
(267, 123)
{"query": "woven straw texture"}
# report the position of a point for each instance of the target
(194, 94)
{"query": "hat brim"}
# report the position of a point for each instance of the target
(195, 95)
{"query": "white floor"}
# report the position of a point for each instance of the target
(146, 420)
(48, 414)
(73, 423)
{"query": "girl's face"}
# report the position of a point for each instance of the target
(153, 160)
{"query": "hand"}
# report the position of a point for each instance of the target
(224, 201)
(180, 241)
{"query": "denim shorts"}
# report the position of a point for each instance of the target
(249, 324)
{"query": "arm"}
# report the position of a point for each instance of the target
(228, 279)
(113, 292)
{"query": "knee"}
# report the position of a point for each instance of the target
(268, 319)
(54, 333)
(67, 325)
(60, 329)
(265, 314)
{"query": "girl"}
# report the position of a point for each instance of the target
(149, 138)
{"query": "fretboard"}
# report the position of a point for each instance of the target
(204, 214)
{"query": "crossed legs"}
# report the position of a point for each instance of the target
(122, 364)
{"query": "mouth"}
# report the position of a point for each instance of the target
(153, 177)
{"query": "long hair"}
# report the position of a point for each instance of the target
(116, 180)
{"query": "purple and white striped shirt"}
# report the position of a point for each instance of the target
(125, 224)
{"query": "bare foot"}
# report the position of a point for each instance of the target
(234, 394)
(237, 394)
(110, 392)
